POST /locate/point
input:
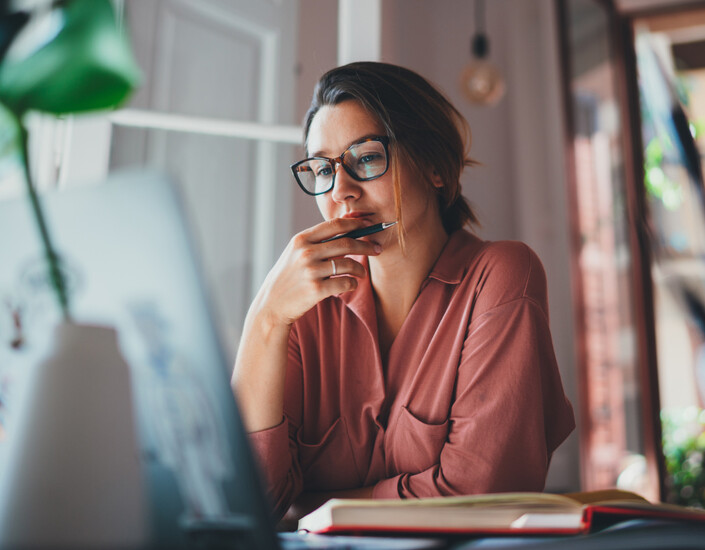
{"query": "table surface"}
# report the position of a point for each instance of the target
(627, 535)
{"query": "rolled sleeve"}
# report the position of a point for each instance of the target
(273, 450)
(387, 488)
(271, 447)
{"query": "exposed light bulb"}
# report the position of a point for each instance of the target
(480, 81)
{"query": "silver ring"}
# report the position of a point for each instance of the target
(335, 271)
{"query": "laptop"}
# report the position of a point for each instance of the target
(128, 263)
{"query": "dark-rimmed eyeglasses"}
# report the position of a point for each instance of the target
(363, 161)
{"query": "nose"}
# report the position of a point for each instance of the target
(345, 186)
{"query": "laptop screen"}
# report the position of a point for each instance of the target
(128, 263)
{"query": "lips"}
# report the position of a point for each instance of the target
(357, 215)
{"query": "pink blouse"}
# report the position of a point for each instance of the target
(471, 399)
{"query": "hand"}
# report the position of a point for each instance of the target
(303, 275)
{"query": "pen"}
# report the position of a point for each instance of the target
(357, 233)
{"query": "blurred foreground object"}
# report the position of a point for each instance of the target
(69, 59)
(71, 476)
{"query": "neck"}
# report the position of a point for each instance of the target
(397, 277)
(396, 269)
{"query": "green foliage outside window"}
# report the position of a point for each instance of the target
(658, 184)
(684, 452)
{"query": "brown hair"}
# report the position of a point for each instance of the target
(424, 129)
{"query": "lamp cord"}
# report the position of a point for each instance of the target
(479, 16)
(479, 45)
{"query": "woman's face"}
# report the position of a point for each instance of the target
(335, 128)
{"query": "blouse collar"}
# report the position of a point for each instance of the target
(450, 268)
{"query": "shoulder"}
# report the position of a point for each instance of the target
(505, 271)
(512, 262)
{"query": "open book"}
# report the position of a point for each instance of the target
(501, 513)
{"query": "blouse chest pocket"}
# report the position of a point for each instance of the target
(329, 462)
(414, 445)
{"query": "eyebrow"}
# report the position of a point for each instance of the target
(360, 139)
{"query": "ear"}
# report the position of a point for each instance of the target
(436, 180)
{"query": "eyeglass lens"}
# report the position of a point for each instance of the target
(363, 161)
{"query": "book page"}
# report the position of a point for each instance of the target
(606, 495)
(548, 521)
(495, 500)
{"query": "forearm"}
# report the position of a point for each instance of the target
(450, 478)
(260, 367)
(299, 280)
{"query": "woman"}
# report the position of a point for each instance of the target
(412, 362)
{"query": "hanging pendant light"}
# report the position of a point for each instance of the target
(480, 81)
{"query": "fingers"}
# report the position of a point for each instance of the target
(337, 267)
(339, 275)
(346, 247)
(309, 270)
(322, 274)
(338, 247)
(340, 285)
(332, 228)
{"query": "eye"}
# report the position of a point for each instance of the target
(323, 171)
(369, 157)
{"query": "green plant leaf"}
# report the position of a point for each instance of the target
(87, 66)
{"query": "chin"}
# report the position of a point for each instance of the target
(385, 241)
